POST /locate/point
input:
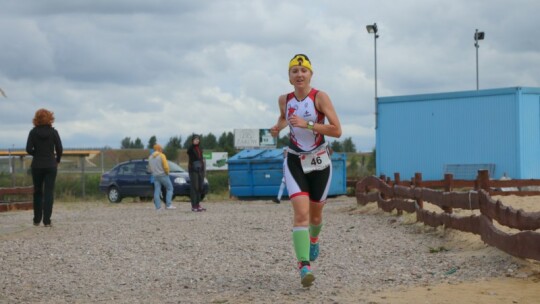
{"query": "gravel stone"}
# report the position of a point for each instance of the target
(236, 252)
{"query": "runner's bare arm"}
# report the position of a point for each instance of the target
(324, 104)
(281, 122)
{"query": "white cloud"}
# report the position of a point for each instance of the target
(167, 68)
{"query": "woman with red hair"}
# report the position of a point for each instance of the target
(45, 146)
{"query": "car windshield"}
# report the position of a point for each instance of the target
(175, 168)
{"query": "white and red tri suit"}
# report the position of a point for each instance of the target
(314, 184)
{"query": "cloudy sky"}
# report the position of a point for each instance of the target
(111, 69)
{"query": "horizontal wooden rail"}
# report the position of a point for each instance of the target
(8, 205)
(410, 198)
(16, 190)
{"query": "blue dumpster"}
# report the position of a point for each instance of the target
(258, 173)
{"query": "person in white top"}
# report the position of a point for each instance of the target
(307, 167)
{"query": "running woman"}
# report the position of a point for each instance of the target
(307, 167)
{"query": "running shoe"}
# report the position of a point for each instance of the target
(170, 207)
(306, 276)
(313, 251)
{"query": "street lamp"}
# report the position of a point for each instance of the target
(477, 36)
(372, 29)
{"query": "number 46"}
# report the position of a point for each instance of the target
(316, 161)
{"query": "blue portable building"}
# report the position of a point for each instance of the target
(258, 173)
(459, 133)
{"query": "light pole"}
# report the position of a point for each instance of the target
(477, 36)
(372, 29)
(12, 165)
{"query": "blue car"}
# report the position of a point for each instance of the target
(132, 179)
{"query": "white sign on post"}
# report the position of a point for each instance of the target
(266, 140)
(254, 138)
(246, 138)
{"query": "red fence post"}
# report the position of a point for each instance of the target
(418, 183)
(397, 180)
(383, 178)
(448, 186)
(483, 180)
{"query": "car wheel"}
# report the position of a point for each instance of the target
(114, 195)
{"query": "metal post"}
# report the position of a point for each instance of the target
(102, 161)
(477, 46)
(375, 36)
(12, 167)
(83, 176)
(477, 36)
(372, 29)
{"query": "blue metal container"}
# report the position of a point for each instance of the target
(258, 173)
(459, 133)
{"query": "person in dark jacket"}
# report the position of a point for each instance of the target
(45, 146)
(196, 168)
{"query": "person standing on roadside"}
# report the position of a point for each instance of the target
(196, 168)
(307, 167)
(45, 146)
(159, 167)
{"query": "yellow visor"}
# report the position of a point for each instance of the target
(300, 60)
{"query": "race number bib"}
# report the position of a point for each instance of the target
(315, 162)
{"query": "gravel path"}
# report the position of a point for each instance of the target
(236, 252)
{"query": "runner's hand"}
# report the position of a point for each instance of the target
(275, 131)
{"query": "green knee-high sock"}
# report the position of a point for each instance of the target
(314, 231)
(301, 243)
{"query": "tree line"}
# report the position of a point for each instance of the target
(225, 143)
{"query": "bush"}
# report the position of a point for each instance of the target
(70, 185)
(218, 180)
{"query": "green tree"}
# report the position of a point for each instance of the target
(209, 142)
(151, 142)
(172, 147)
(125, 143)
(137, 144)
(336, 146)
(352, 170)
(348, 145)
(226, 143)
(187, 143)
(283, 141)
(371, 164)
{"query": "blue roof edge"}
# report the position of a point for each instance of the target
(459, 94)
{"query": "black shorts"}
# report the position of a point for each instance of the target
(314, 184)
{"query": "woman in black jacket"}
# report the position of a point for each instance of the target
(196, 168)
(45, 146)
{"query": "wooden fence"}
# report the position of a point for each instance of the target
(410, 197)
(17, 198)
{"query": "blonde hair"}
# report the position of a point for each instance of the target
(43, 117)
